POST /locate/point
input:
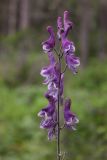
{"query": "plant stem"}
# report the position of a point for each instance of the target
(58, 114)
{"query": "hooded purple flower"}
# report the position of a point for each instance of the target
(64, 29)
(68, 46)
(49, 44)
(53, 90)
(73, 62)
(48, 73)
(47, 123)
(67, 23)
(70, 118)
(51, 74)
(48, 113)
(50, 109)
(60, 27)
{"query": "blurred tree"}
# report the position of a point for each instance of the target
(12, 19)
(3, 16)
(85, 13)
(24, 14)
(102, 28)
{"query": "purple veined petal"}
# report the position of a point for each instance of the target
(48, 73)
(53, 90)
(51, 58)
(51, 134)
(51, 74)
(47, 111)
(67, 23)
(41, 113)
(59, 23)
(50, 98)
(50, 109)
(48, 122)
(73, 62)
(68, 46)
(49, 44)
(70, 118)
(60, 27)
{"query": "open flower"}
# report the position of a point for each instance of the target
(47, 123)
(50, 109)
(48, 73)
(68, 46)
(70, 118)
(51, 74)
(67, 23)
(53, 90)
(48, 115)
(73, 62)
(49, 44)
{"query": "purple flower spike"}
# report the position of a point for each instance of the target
(73, 62)
(50, 43)
(54, 79)
(70, 119)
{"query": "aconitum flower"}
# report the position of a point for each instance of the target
(49, 44)
(50, 109)
(73, 62)
(67, 23)
(70, 118)
(53, 75)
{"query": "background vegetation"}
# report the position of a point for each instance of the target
(22, 28)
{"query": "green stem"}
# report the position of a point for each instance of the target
(58, 114)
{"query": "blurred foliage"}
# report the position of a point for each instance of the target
(20, 135)
(21, 97)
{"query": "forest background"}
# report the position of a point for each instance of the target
(22, 29)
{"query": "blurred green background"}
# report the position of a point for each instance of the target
(22, 29)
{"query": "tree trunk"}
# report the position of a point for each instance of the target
(24, 14)
(85, 21)
(102, 29)
(12, 16)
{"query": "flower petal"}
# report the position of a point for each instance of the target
(70, 118)
(49, 44)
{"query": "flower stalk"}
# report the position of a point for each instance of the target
(58, 113)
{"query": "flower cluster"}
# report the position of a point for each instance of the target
(53, 77)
